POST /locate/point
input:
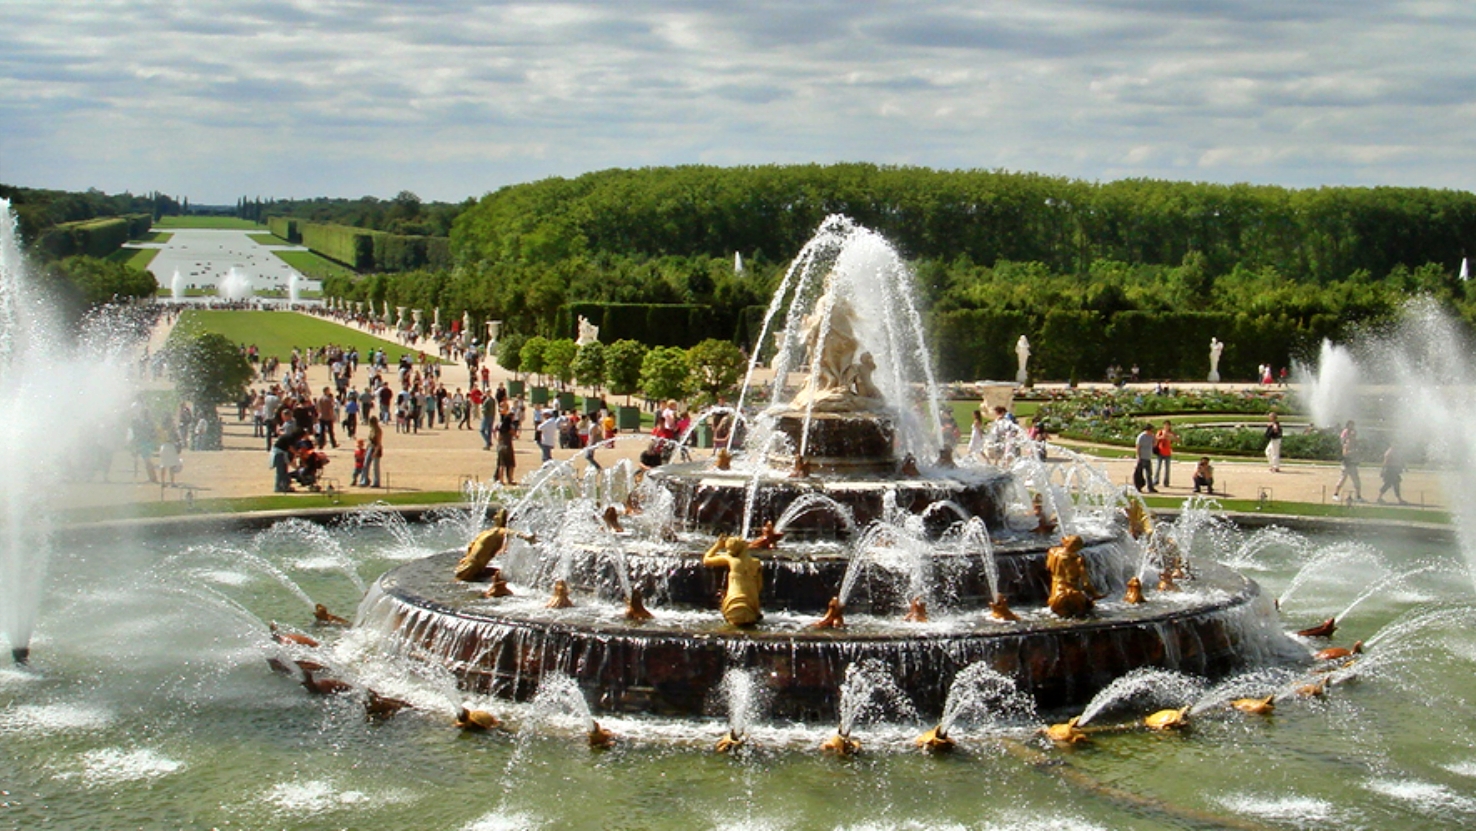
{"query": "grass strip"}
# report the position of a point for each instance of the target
(312, 265)
(276, 333)
(232, 223)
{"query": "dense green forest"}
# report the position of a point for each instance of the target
(405, 214)
(1123, 272)
(1129, 272)
(71, 234)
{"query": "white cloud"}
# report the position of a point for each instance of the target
(213, 99)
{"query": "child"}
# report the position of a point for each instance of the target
(1204, 475)
(359, 454)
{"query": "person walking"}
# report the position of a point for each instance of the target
(327, 407)
(1391, 472)
(1348, 440)
(976, 436)
(489, 413)
(375, 454)
(1163, 448)
(1143, 472)
(507, 462)
(1273, 444)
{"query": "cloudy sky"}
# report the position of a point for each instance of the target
(452, 98)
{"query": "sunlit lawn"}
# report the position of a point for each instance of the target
(312, 265)
(225, 222)
(138, 258)
(276, 333)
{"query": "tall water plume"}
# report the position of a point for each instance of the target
(846, 264)
(64, 397)
(1411, 385)
(236, 286)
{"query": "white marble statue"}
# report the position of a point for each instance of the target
(1216, 347)
(588, 332)
(839, 380)
(1022, 352)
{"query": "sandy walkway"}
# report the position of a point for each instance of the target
(444, 459)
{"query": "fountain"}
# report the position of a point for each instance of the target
(148, 703)
(177, 287)
(46, 423)
(294, 287)
(236, 287)
(847, 464)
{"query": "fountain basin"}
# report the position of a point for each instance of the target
(672, 665)
(714, 500)
(804, 577)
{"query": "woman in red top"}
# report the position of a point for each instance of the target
(1163, 448)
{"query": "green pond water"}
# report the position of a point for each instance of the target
(149, 705)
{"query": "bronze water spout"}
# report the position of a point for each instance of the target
(1134, 593)
(476, 721)
(560, 599)
(841, 745)
(611, 516)
(1043, 524)
(767, 540)
(1166, 581)
(801, 468)
(1066, 733)
(935, 741)
(498, 588)
(724, 459)
(917, 611)
(1255, 706)
(1324, 629)
(1165, 720)
(999, 609)
(1337, 653)
(598, 737)
(1171, 719)
(327, 618)
(731, 741)
(835, 617)
(635, 608)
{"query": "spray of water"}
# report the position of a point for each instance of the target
(63, 398)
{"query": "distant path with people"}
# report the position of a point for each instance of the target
(439, 460)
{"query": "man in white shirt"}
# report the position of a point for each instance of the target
(548, 434)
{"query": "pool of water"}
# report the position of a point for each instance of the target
(149, 704)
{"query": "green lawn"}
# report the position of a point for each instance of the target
(160, 237)
(275, 333)
(227, 222)
(963, 413)
(267, 239)
(138, 258)
(273, 502)
(313, 265)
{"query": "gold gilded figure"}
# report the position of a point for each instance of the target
(745, 579)
(1072, 593)
(475, 566)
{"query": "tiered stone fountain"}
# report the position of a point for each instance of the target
(850, 465)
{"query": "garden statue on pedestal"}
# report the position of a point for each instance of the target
(1022, 352)
(1216, 347)
(588, 332)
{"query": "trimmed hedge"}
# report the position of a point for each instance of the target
(285, 227)
(1079, 344)
(398, 252)
(94, 237)
(654, 324)
(354, 247)
(363, 249)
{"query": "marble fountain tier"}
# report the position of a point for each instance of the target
(876, 516)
